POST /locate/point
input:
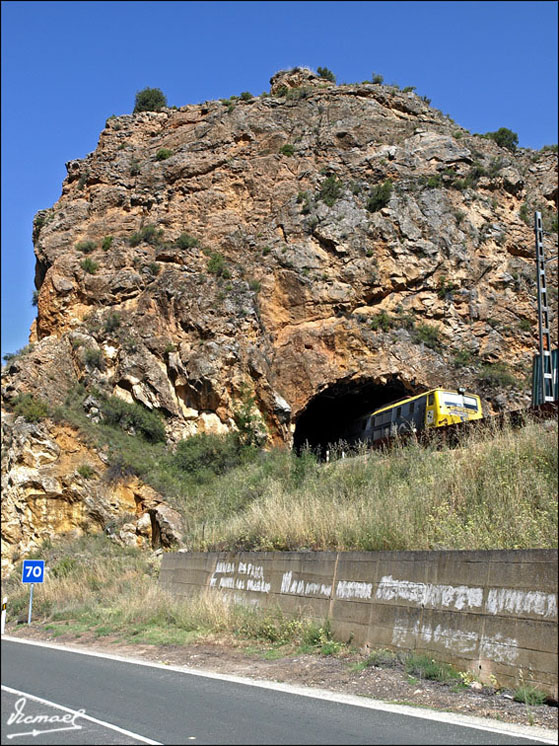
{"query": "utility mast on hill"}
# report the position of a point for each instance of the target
(544, 385)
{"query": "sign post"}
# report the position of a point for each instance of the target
(33, 572)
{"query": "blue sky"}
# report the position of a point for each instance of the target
(67, 66)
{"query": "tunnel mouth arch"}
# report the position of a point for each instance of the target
(329, 417)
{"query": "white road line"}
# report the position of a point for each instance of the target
(79, 714)
(531, 732)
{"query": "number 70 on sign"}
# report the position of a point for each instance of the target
(33, 571)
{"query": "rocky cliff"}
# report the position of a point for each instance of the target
(316, 251)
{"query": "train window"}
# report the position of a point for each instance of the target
(399, 412)
(470, 402)
(412, 407)
(430, 400)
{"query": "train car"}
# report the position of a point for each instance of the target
(435, 408)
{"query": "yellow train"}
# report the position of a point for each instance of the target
(435, 408)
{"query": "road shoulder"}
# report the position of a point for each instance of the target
(322, 677)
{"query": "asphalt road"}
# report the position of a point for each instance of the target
(129, 703)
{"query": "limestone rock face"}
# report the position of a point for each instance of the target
(44, 494)
(322, 251)
(298, 77)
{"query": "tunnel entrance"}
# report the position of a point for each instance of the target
(330, 416)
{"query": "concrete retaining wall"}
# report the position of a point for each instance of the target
(491, 612)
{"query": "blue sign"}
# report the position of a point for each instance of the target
(33, 571)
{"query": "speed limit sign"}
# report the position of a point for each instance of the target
(33, 571)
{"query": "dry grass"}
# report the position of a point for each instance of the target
(497, 490)
(95, 586)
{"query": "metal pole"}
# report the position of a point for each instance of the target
(547, 393)
(30, 603)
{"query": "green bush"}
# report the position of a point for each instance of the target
(304, 199)
(382, 658)
(148, 234)
(504, 137)
(134, 416)
(427, 668)
(31, 409)
(524, 213)
(86, 471)
(149, 99)
(205, 455)
(497, 375)
(153, 268)
(379, 196)
(327, 74)
(378, 79)
(408, 89)
(459, 216)
(35, 298)
(86, 247)
(287, 149)
(89, 266)
(163, 153)
(382, 321)
(427, 334)
(64, 567)
(445, 288)
(330, 190)
(112, 322)
(463, 357)
(134, 167)
(22, 351)
(247, 419)
(184, 241)
(495, 165)
(107, 243)
(549, 216)
(459, 184)
(246, 96)
(93, 358)
(529, 695)
(218, 266)
(296, 94)
(41, 218)
(404, 319)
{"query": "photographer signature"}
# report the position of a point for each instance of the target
(18, 717)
